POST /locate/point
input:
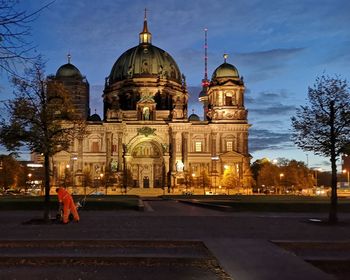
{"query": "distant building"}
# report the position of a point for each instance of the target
(345, 162)
(145, 138)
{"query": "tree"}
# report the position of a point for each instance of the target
(323, 126)
(298, 176)
(268, 176)
(255, 169)
(204, 179)
(39, 117)
(231, 179)
(14, 32)
(10, 171)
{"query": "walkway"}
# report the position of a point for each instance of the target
(239, 242)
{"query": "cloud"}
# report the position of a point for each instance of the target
(263, 65)
(263, 139)
(277, 109)
(269, 123)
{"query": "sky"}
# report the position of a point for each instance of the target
(278, 46)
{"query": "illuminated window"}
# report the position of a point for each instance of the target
(229, 146)
(198, 146)
(229, 99)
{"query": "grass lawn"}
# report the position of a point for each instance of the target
(100, 202)
(271, 203)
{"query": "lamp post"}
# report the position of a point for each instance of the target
(316, 178)
(29, 179)
(281, 177)
(67, 175)
(193, 177)
(347, 172)
(214, 159)
(226, 169)
(101, 182)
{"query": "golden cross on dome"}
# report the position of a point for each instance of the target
(69, 57)
(225, 57)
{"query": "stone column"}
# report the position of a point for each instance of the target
(166, 182)
(173, 152)
(120, 151)
(80, 154)
(185, 150)
(241, 143)
(213, 144)
(108, 150)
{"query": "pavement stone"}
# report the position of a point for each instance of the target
(239, 241)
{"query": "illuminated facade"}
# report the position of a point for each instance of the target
(146, 140)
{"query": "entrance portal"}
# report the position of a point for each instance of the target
(146, 164)
(146, 182)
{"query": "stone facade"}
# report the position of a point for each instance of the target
(145, 139)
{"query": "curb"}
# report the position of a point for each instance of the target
(140, 205)
(207, 205)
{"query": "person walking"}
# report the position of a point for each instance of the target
(66, 200)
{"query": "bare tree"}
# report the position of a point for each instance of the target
(39, 117)
(323, 126)
(15, 48)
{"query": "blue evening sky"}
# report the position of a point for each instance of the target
(279, 46)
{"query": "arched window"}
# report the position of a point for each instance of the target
(228, 99)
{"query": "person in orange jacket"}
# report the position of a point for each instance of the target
(68, 205)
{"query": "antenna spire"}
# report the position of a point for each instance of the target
(205, 81)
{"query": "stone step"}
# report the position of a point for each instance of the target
(104, 248)
(108, 259)
(317, 250)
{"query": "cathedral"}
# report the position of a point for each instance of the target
(145, 138)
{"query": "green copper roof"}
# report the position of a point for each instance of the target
(225, 70)
(145, 60)
(68, 70)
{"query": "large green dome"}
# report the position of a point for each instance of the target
(145, 60)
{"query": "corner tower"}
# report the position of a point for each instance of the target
(77, 86)
(226, 95)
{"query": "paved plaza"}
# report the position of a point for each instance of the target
(168, 240)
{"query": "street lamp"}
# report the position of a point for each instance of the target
(317, 169)
(67, 176)
(347, 171)
(281, 177)
(101, 181)
(29, 179)
(213, 169)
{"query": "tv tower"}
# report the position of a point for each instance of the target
(205, 81)
(203, 95)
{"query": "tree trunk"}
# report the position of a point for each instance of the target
(47, 188)
(333, 217)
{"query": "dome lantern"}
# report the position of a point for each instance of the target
(145, 35)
